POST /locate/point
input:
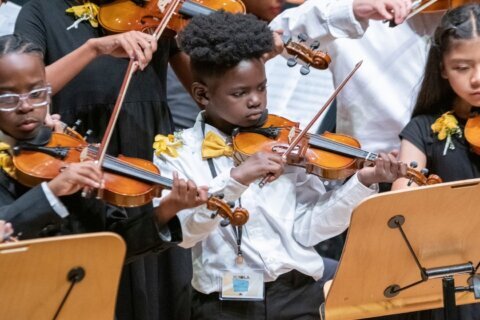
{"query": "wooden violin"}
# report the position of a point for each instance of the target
(309, 54)
(329, 156)
(126, 15)
(129, 182)
(440, 5)
(472, 133)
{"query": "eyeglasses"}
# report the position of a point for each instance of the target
(36, 98)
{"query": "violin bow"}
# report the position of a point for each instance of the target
(131, 69)
(302, 133)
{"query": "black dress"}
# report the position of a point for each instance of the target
(457, 164)
(154, 287)
(91, 95)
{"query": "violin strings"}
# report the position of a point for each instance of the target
(349, 150)
(126, 167)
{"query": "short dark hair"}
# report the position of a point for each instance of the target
(221, 40)
(14, 43)
(436, 95)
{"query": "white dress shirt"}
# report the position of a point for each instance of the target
(287, 217)
(377, 102)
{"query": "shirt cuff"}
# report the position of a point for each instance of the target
(164, 233)
(225, 185)
(54, 201)
(342, 22)
(358, 189)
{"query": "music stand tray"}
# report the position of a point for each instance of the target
(379, 274)
(67, 277)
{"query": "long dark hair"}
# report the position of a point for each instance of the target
(436, 94)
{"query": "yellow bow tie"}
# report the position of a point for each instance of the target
(6, 162)
(214, 146)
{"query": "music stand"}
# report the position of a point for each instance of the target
(68, 277)
(380, 275)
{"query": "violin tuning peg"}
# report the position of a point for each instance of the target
(413, 164)
(302, 37)
(220, 196)
(231, 204)
(291, 62)
(286, 39)
(315, 45)
(225, 222)
(76, 124)
(16, 150)
(304, 70)
(424, 171)
(88, 134)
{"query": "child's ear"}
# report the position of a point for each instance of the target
(442, 71)
(200, 94)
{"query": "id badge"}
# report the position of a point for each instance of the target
(242, 285)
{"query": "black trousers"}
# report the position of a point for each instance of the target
(292, 296)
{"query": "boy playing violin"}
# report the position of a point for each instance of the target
(270, 260)
(55, 207)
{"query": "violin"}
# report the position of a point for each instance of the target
(329, 156)
(129, 182)
(309, 54)
(126, 15)
(442, 5)
(472, 133)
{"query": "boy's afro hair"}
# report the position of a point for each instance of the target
(221, 40)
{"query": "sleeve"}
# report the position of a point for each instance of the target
(197, 223)
(31, 214)
(173, 48)
(30, 24)
(415, 132)
(321, 216)
(322, 20)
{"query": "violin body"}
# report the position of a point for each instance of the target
(322, 163)
(442, 5)
(472, 133)
(33, 168)
(124, 15)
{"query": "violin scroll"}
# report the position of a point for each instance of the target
(238, 217)
(309, 54)
(421, 177)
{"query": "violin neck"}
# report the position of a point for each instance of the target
(191, 9)
(323, 143)
(118, 166)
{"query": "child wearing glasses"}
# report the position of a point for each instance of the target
(55, 207)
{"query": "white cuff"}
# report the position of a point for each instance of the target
(55, 203)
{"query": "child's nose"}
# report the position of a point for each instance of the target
(24, 105)
(475, 79)
(254, 101)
